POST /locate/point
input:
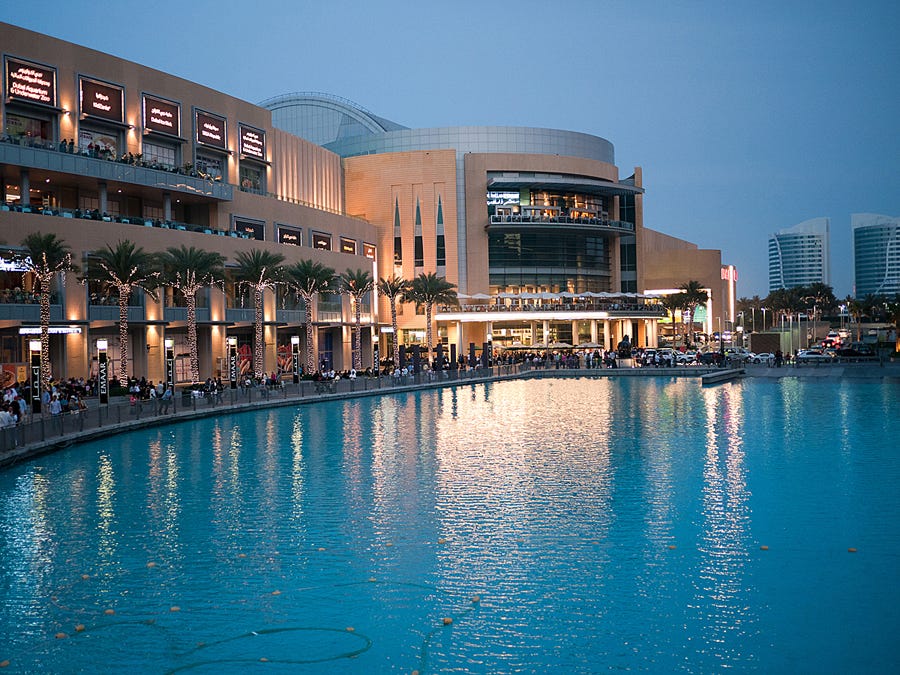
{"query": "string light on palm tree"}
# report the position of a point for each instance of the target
(258, 270)
(308, 279)
(357, 283)
(394, 289)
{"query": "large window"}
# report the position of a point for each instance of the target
(210, 166)
(159, 155)
(252, 178)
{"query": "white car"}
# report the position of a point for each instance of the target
(766, 357)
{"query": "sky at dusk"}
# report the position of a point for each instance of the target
(746, 118)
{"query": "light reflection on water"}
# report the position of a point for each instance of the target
(604, 525)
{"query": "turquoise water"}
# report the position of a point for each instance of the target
(573, 525)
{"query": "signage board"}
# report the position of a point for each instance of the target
(29, 82)
(250, 228)
(321, 241)
(348, 246)
(162, 116)
(369, 250)
(289, 235)
(211, 130)
(101, 100)
(252, 142)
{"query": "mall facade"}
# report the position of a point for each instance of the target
(542, 237)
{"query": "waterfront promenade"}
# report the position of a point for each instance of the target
(44, 433)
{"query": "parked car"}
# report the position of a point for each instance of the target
(856, 349)
(813, 356)
(765, 357)
(684, 358)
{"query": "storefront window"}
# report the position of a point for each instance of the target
(157, 155)
(22, 128)
(252, 179)
(209, 166)
(97, 143)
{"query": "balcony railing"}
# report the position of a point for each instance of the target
(539, 220)
(201, 314)
(38, 154)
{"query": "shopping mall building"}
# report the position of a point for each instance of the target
(542, 237)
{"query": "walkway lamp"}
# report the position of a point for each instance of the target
(170, 363)
(34, 347)
(231, 341)
(295, 357)
(103, 371)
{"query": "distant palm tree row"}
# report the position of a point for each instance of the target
(126, 267)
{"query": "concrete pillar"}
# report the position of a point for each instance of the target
(24, 188)
(167, 206)
(606, 334)
(546, 338)
(575, 339)
(594, 331)
(101, 187)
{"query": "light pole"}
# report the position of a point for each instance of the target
(34, 346)
(231, 341)
(103, 371)
(763, 310)
(295, 357)
(170, 363)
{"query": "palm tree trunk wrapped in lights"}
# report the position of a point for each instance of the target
(357, 283)
(126, 268)
(428, 289)
(308, 279)
(258, 270)
(188, 270)
(394, 289)
(44, 256)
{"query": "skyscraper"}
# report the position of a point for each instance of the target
(876, 254)
(798, 255)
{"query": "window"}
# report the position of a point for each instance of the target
(348, 246)
(159, 154)
(441, 251)
(209, 166)
(321, 241)
(252, 178)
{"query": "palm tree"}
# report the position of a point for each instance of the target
(428, 289)
(258, 270)
(394, 289)
(357, 283)
(125, 268)
(673, 302)
(188, 270)
(44, 256)
(693, 294)
(308, 279)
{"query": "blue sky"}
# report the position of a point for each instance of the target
(746, 118)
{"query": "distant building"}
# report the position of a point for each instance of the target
(798, 256)
(876, 254)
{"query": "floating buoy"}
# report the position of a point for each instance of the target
(276, 592)
(440, 541)
(372, 580)
(851, 550)
(79, 628)
(264, 659)
(763, 548)
(61, 636)
(390, 543)
(447, 620)
(151, 564)
(4, 664)
(321, 548)
(242, 555)
(671, 547)
(109, 611)
(85, 577)
(476, 598)
(174, 608)
(350, 629)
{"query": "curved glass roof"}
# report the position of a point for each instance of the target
(323, 118)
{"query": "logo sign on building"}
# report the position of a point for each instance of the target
(252, 142)
(348, 246)
(369, 250)
(103, 376)
(289, 235)
(251, 229)
(162, 116)
(729, 273)
(30, 82)
(211, 130)
(101, 100)
(321, 241)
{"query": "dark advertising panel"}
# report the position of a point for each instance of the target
(321, 241)
(369, 250)
(162, 116)
(348, 246)
(102, 100)
(211, 131)
(30, 82)
(252, 143)
(289, 235)
(251, 229)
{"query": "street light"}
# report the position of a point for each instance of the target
(170, 363)
(103, 371)
(763, 310)
(231, 341)
(34, 346)
(295, 357)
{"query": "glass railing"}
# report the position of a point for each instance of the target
(562, 220)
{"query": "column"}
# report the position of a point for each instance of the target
(575, 339)
(594, 332)
(606, 336)
(101, 186)
(24, 188)
(167, 206)
(546, 338)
